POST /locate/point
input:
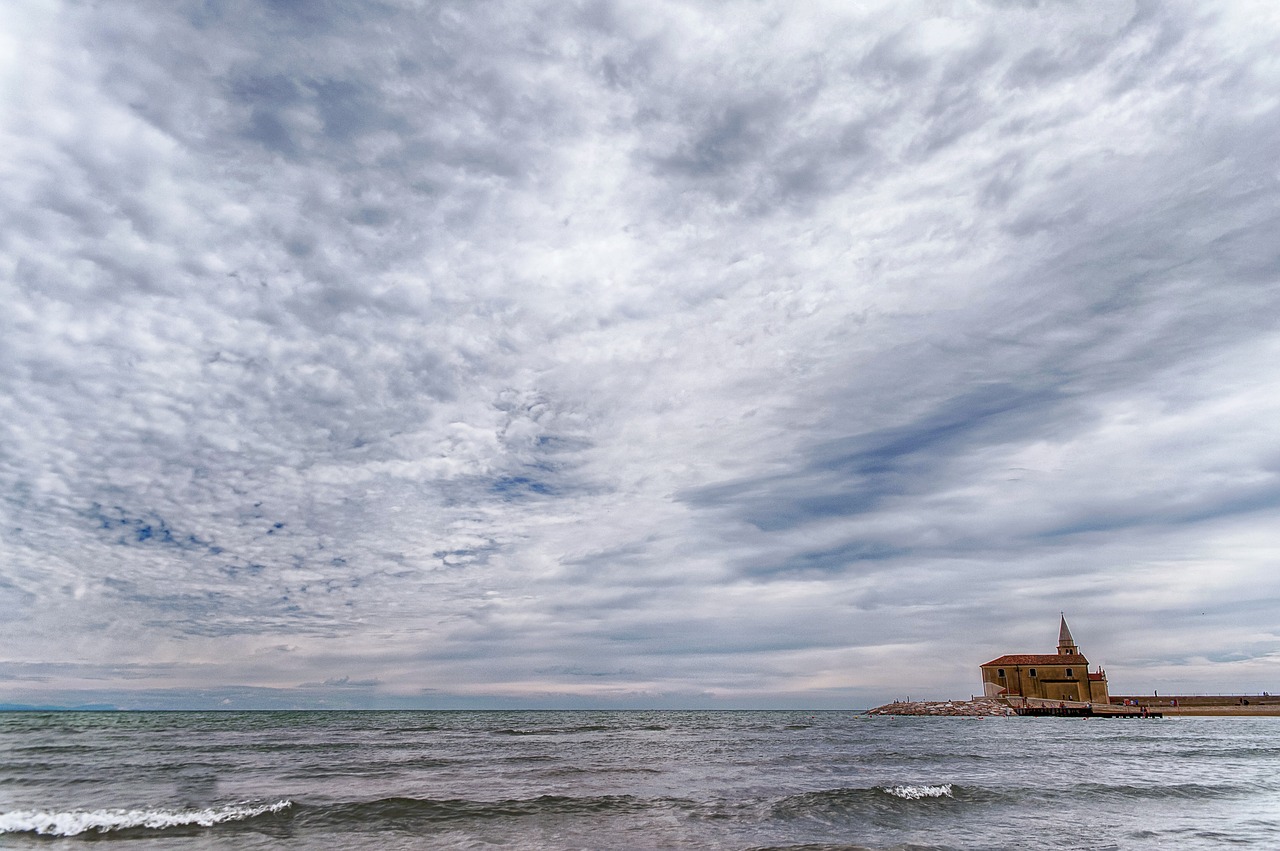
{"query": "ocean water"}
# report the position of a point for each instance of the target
(663, 779)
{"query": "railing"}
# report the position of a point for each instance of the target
(1234, 694)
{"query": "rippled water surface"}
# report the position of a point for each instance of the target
(741, 780)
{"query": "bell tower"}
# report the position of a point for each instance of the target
(1066, 644)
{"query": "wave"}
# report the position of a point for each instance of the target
(1187, 791)
(1251, 752)
(828, 846)
(404, 811)
(830, 803)
(74, 748)
(559, 731)
(906, 798)
(76, 822)
(915, 793)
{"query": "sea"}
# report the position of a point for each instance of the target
(634, 780)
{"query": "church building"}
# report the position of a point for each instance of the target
(1061, 676)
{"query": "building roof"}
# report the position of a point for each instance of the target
(1064, 634)
(1037, 659)
(1097, 677)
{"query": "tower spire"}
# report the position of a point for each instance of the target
(1066, 644)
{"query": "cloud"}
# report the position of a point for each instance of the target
(341, 682)
(544, 352)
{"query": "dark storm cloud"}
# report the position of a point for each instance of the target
(855, 474)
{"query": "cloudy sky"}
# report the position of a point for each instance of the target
(723, 353)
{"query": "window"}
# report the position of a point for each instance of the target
(1032, 672)
(1000, 673)
(1068, 672)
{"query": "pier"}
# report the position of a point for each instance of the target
(1077, 711)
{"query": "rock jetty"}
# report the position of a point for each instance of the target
(979, 706)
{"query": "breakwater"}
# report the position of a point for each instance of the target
(977, 707)
(1203, 704)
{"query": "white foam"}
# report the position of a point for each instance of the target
(76, 822)
(915, 793)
